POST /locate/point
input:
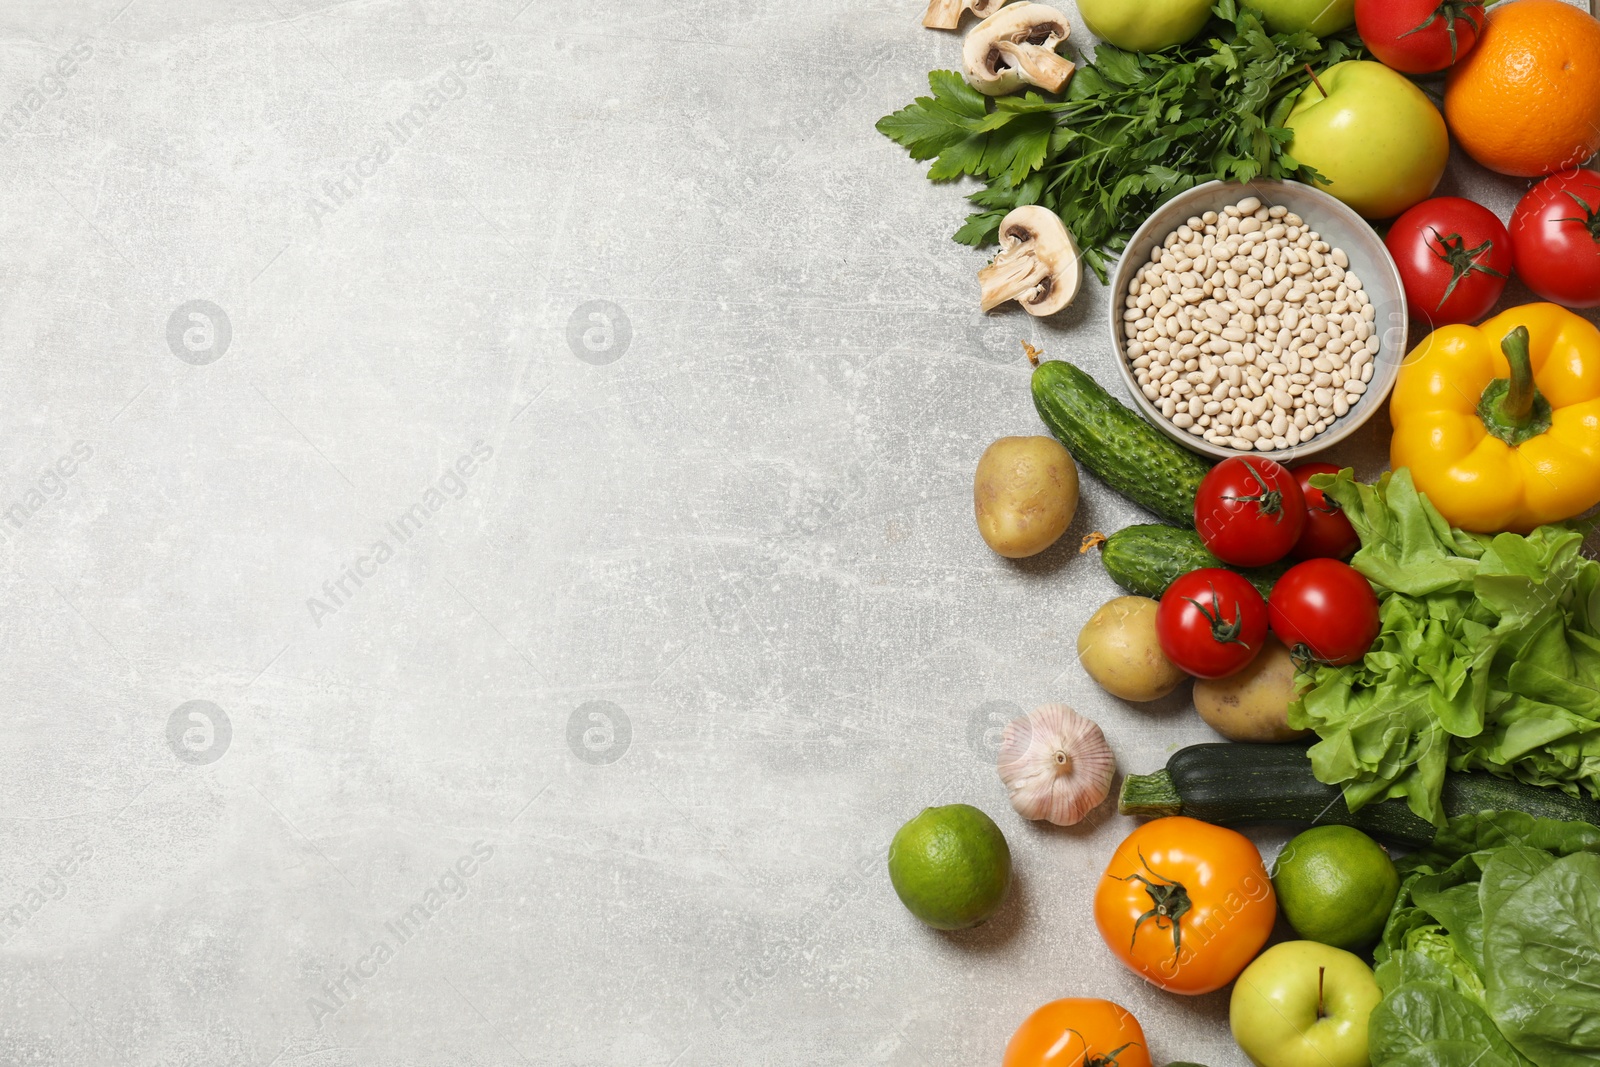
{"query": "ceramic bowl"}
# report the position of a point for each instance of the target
(1340, 227)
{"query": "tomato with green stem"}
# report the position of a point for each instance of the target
(1249, 511)
(1454, 256)
(1419, 36)
(1185, 905)
(1078, 1032)
(1325, 612)
(1556, 233)
(1328, 533)
(1211, 623)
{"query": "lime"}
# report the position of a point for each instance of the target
(950, 866)
(1336, 885)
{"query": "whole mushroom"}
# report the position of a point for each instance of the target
(946, 14)
(1037, 265)
(1016, 46)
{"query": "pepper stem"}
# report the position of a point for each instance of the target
(1517, 407)
(1513, 409)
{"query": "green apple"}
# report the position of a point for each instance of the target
(1144, 25)
(1380, 143)
(1304, 1004)
(1319, 16)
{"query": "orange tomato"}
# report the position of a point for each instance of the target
(1186, 905)
(1078, 1032)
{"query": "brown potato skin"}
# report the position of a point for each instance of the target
(1253, 705)
(1024, 495)
(1119, 649)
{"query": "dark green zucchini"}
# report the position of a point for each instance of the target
(1245, 785)
(1144, 560)
(1116, 444)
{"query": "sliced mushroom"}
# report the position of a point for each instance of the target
(1016, 46)
(946, 14)
(1037, 265)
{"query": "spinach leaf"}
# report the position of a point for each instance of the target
(1495, 829)
(1542, 964)
(1507, 871)
(1422, 1024)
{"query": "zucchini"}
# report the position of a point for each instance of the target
(1246, 785)
(1144, 560)
(1116, 444)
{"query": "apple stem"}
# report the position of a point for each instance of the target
(1315, 82)
(1322, 972)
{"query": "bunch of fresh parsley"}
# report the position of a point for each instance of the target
(1132, 130)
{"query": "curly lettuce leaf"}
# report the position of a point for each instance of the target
(1488, 657)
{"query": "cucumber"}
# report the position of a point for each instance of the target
(1144, 560)
(1116, 444)
(1247, 785)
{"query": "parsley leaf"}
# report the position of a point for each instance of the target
(1132, 130)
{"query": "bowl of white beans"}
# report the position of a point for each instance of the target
(1258, 317)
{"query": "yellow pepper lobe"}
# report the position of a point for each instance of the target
(1477, 481)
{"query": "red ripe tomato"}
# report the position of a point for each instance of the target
(1328, 533)
(1249, 511)
(1325, 611)
(1555, 232)
(1419, 36)
(1454, 257)
(1211, 623)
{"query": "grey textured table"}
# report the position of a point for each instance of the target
(488, 548)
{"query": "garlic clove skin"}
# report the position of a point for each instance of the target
(1056, 763)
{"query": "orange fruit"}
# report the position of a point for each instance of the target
(1526, 100)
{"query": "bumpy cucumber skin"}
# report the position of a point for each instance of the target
(1144, 560)
(1116, 444)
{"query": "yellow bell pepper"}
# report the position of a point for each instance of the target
(1500, 423)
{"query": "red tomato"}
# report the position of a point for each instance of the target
(1419, 36)
(1249, 511)
(1556, 234)
(1211, 623)
(1325, 611)
(1328, 533)
(1454, 257)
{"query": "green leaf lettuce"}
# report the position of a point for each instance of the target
(1488, 659)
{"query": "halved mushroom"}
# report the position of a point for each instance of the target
(946, 14)
(1037, 265)
(1016, 46)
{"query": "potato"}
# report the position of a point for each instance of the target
(1119, 649)
(1024, 495)
(1252, 705)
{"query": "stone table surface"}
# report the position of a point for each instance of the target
(489, 563)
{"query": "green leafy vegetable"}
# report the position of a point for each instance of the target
(1421, 1024)
(1132, 131)
(1490, 954)
(1542, 964)
(1489, 658)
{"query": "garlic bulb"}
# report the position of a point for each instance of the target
(1056, 764)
